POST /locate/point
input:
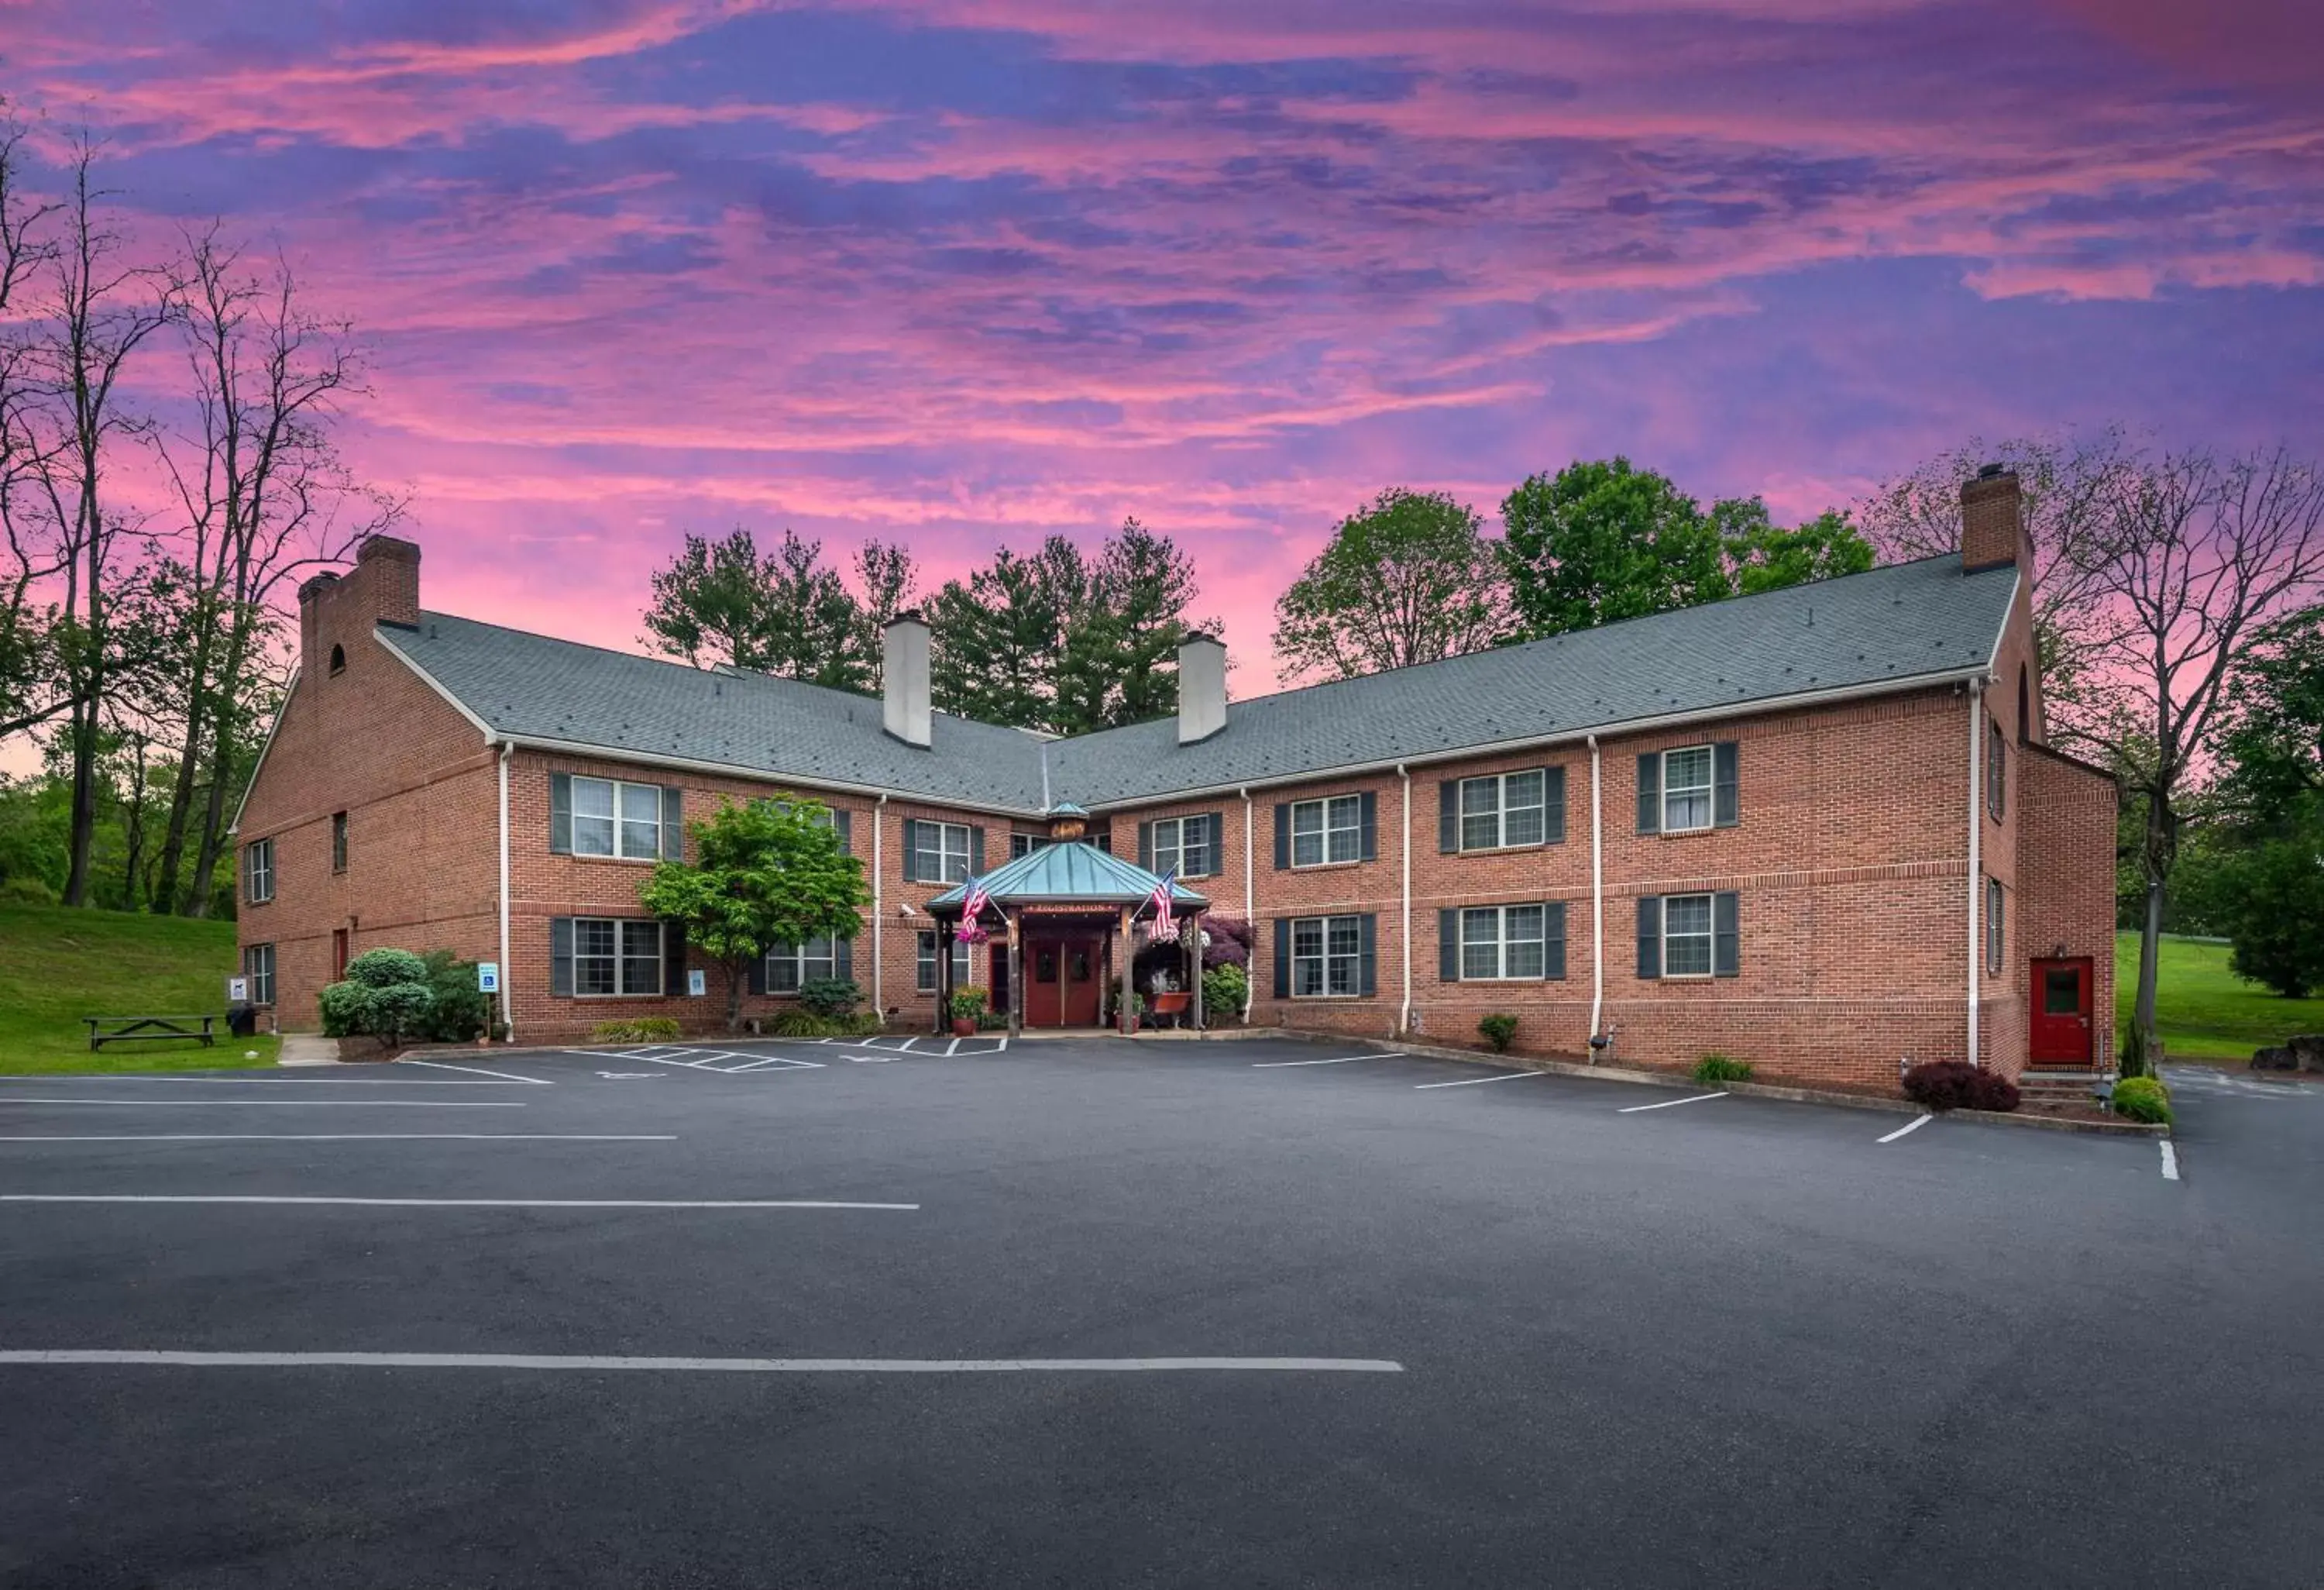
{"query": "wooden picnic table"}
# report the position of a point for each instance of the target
(148, 1028)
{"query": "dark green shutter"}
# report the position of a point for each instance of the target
(844, 821)
(1552, 939)
(1282, 840)
(560, 956)
(755, 978)
(1726, 790)
(560, 814)
(1448, 816)
(1650, 792)
(1725, 942)
(976, 851)
(673, 958)
(1282, 956)
(842, 959)
(1215, 825)
(1368, 969)
(1553, 805)
(911, 851)
(1367, 820)
(1650, 936)
(1448, 946)
(1145, 846)
(673, 823)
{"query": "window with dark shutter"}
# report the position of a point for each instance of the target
(673, 958)
(1145, 846)
(1650, 937)
(1448, 816)
(844, 821)
(560, 956)
(1552, 940)
(1554, 805)
(1367, 942)
(1726, 788)
(1650, 794)
(673, 823)
(1282, 952)
(911, 851)
(560, 814)
(1282, 842)
(1726, 936)
(1368, 809)
(1448, 946)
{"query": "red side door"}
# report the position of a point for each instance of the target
(2060, 1032)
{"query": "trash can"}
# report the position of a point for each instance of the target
(242, 1020)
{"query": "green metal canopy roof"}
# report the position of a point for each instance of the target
(1069, 873)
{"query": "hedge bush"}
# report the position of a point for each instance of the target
(2143, 1099)
(386, 995)
(808, 1024)
(1499, 1029)
(644, 1030)
(1721, 1069)
(460, 1009)
(831, 997)
(1956, 1085)
(1226, 992)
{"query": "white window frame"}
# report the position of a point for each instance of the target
(1318, 820)
(1022, 845)
(1325, 959)
(1499, 813)
(1996, 926)
(1174, 851)
(924, 979)
(622, 790)
(1709, 936)
(258, 872)
(625, 932)
(799, 961)
(944, 854)
(258, 968)
(1707, 790)
(1502, 942)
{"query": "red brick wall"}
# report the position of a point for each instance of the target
(2068, 868)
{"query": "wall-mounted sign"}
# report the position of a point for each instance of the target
(488, 976)
(238, 991)
(697, 982)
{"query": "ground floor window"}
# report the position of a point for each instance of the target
(926, 981)
(258, 968)
(616, 956)
(788, 965)
(1326, 956)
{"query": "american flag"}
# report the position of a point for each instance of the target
(972, 907)
(1164, 925)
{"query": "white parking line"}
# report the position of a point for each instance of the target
(1337, 1060)
(363, 1137)
(476, 1071)
(38, 1356)
(238, 1104)
(448, 1203)
(1474, 1081)
(702, 1065)
(285, 1079)
(870, 1059)
(1913, 1126)
(2170, 1160)
(760, 1064)
(1670, 1102)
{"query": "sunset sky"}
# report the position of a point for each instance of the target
(969, 271)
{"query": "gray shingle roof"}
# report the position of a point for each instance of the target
(1903, 622)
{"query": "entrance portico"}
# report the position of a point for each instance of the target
(1063, 914)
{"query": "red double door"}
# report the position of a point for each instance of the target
(2059, 1033)
(1063, 977)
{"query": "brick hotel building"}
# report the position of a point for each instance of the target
(1819, 828)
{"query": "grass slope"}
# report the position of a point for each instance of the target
(2204, 1011)
(57, 965)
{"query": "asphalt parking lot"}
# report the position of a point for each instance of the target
(1089, 1312)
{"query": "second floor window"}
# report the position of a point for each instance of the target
(940, 852)
(1502, 811)
(1994, 941)
(1326, 831)
(1686, 790)
(616, 819)
(258, 872)
(1186, 845)
(338, 842)
(1996, 772)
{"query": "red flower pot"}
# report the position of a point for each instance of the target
(962, 1027)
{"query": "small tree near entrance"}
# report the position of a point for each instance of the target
(766, 873)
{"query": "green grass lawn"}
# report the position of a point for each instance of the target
(2204, 1011)
(57, 965)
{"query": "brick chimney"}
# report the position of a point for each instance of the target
(1993, 521)
(337, 611)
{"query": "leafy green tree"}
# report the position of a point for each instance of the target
(2273, 744)
(996, 638)
(1602, 541)
(782, 611)
(768, 871)
(1408, 578)
(2277, 901)
(1761, 557)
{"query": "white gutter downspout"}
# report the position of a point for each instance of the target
(878, 916)
(508, 1006)
(1597, 902)
(1249, 904)
(1404, 1021)
(1976, 858)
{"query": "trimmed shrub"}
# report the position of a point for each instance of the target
(831, 997)
(808, 1024)
(2143, 1099)
(385, 968)
(461, 1009)
(1956, 1085)
(644, 1030)
(1226, 992)
(386, 995)
(1498, 1030)
(1721, 1069)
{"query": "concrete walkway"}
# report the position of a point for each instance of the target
(306, 1049)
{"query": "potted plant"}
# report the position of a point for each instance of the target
(1129, 1017)
(966, 1008)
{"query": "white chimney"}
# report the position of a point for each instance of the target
(904, 673)
(1202, 688)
